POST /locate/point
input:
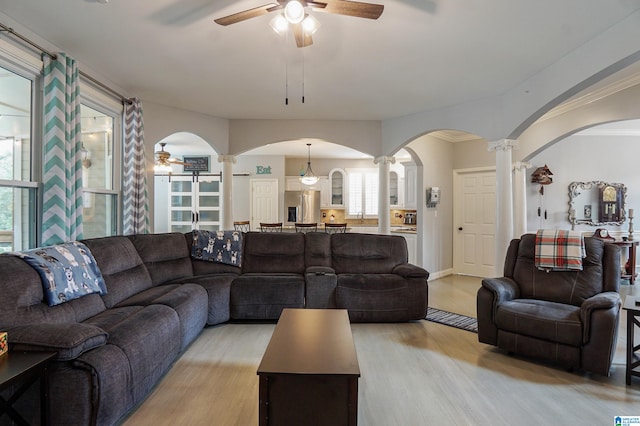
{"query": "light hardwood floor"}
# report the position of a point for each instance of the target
(418, 373)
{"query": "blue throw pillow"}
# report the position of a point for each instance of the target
(217, 246)
(67, 271)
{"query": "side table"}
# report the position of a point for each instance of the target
(632, 245)
(22, 369)
(632, 306)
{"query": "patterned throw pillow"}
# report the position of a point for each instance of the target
(67, 271)
(217, 246)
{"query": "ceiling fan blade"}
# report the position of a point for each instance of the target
(349, 8)
(247, 14)
(302, 39)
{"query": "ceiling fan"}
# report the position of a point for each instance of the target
(294, 14)
(163, 160)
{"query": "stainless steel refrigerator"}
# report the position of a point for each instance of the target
(302, 206)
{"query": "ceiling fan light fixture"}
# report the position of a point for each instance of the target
(309, 178)
(310, 25)
(279, 24)
(162, 168)
(294, 12)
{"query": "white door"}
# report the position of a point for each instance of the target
(474, 221)
(264, 201)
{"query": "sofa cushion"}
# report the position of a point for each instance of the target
(367, 253)
(121, 266)
(188, 300)
(69, 340)
(218, 287)
(550, 321)
(263, 296)
(571, 287)
(317, 249)
(67, 271)
(217, 246)
(379, 297)
(149, 338)
(167, 256)
(273, 252)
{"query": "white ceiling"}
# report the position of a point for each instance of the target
(420, 55)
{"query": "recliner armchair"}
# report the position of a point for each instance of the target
(569, 317)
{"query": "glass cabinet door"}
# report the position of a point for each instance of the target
(336, 182)
(393, 188)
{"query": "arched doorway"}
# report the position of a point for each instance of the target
(182, 202)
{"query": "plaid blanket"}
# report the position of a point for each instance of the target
(559, 250)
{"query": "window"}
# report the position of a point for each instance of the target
(363, 192)
(18, 193)
(100, 200)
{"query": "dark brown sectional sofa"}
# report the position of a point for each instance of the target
(114, 348)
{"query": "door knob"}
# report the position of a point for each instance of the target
(459, 228)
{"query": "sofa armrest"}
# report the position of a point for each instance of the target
(608, 300)
(503, 288)
(407, 270)
(69, 340)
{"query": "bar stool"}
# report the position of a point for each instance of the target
(271, 227)
(335, 228)
(242, 226)
(306, 227)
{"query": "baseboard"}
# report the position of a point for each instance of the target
(440, 274)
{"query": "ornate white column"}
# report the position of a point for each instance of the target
(504, 199)
(383, 191)
(227, 190)
(520, 197)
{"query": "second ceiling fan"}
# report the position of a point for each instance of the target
(294, 14)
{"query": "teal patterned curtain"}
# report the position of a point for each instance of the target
(62, 174)
(135, 210)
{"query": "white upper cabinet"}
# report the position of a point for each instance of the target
(410, 185)
(337, 187)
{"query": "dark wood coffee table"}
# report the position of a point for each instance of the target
(309, 372)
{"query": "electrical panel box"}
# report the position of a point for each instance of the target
(433, 196)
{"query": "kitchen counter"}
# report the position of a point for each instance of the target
(403, 230)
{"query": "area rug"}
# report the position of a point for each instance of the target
(451, 319)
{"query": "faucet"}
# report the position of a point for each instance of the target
(361, 216)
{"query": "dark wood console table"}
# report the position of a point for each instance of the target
(631, 274)
(309, 372)
(22, 369)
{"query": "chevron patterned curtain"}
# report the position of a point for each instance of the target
(62, 170)
(135, 210)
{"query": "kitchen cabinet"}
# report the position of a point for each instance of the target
(292, 183)
(194, 205)
(410, 185)
(394, 194)
(325, 192)
(412, 247)
(337, 185)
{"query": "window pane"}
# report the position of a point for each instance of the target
(355, 193)
(210, 186)
(371, 193)
(17, 218)
(15, 126)
(99, 215)
(97, 153)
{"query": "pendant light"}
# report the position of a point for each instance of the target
(309, 178)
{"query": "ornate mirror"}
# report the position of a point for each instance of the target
(597, 203)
